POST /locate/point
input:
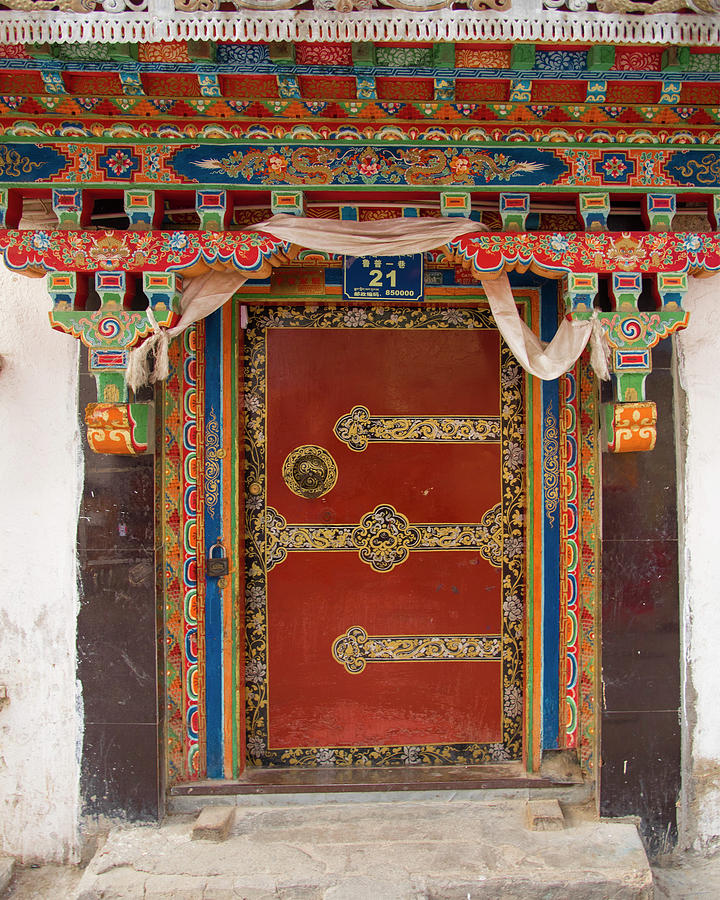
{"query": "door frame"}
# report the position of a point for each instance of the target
(201, 448)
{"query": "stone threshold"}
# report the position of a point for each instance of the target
(415, 778)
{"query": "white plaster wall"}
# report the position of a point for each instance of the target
(40, 485)
(698, 370)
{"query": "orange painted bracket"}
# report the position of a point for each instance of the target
(630, 427)
(120, 428)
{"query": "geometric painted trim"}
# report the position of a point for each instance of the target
(171, 565)
(195, 488)
(590, 576)
(195, 711)
(500, 122)
(570, 563)
(390, 62)
(178, 521)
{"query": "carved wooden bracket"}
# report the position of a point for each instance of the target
(631, 422)
(163, 257)
(114, 425)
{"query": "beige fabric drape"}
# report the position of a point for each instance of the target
(394, 237)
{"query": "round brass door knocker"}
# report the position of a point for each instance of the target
(309, 471)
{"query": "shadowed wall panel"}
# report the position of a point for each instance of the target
(117, 648)
(640, 742)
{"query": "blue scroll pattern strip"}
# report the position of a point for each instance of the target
(695, 167)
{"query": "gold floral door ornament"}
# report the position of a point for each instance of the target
(310, 471)
(356, 648)
(384, 537)
(359, 428)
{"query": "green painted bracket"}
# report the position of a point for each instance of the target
(282, 52)
(363, 53)
(110, 331)
(631, 337)
(630, 422)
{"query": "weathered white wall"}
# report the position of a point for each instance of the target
(40, 484)
(698, 370)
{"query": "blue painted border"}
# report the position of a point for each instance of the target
(551, 529)
(411, 71)
(551, 543)
(213, 531)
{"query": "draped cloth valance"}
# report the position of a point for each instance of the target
(205, 293)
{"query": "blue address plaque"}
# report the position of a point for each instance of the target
(384, 278)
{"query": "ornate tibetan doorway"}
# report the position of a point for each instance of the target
(413, 577)
(385, 544)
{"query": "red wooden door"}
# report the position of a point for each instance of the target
(385, 547)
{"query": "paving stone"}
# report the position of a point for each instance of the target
(544, 815)
(213, 823)
(532, 889)
(175, 887)
(254, 883)
(7, 867)
(52, 882)
(300, 892)
(368, 887)
(119, 883)
(687, 876)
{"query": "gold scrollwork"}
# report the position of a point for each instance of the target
(384, 538)
(356, 648)
(13, 164)
(309, 471)
(358, 428)
(212, 463)
(551, 464)
(275, 543)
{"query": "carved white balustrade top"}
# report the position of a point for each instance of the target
(668, 22)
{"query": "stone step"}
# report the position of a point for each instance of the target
(393, 850)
